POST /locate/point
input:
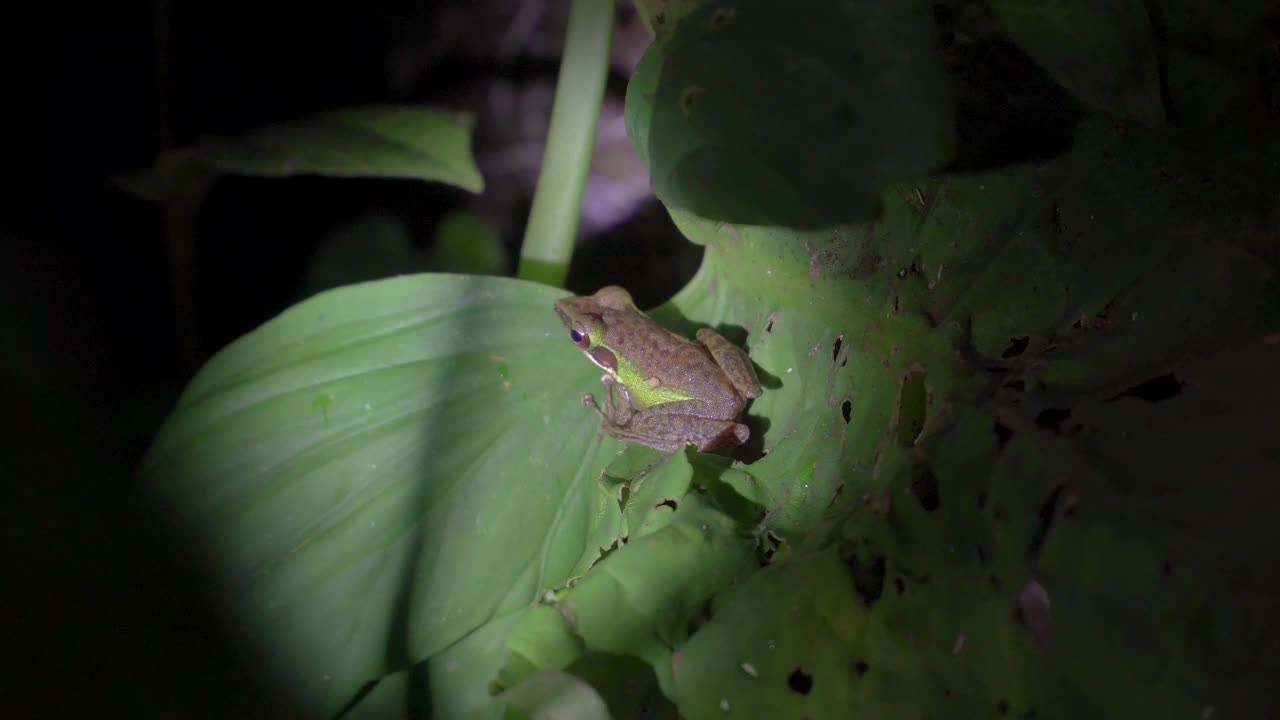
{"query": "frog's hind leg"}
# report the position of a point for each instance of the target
(673, 431)
(735, 363)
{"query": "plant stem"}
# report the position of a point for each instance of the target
(557, 201)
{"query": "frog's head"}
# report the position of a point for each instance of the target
(584, 319)
(581, 317)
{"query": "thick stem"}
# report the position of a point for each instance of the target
(557, 201)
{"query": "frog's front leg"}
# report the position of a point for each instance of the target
(733, 361)
(617, 403)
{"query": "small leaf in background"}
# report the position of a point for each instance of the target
(466, 243)
(368, 248)
(795, 115)
(1102, 51)
(377, 141)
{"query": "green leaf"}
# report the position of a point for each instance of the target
(378, 141)
(370, 247)
(347, 467)
(1006, 555)
(1102, 51)
(767, 113)
(466, 243)
(549, 695)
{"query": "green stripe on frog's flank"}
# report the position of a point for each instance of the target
(642, 396)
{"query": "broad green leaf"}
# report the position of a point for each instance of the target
(1102, 51)
(378, 141)
(1010, 558)
(795, 115)
(382, 470)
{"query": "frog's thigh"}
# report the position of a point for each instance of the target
(703, 433)
(733, 361)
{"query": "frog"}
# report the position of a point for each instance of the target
(662, 389)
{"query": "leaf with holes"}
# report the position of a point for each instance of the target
(963, 541)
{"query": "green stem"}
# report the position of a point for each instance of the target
(557, 201)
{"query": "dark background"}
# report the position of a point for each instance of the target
(104, 620)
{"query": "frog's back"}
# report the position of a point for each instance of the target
(670, 359)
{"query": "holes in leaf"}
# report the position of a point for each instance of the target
(982, 501)
(689, 98)
(868, 578)
(768, 324)
(1070, 503)
(861, 667)
(836, 495)
(1154, 390)
(846, 409)
(1033, 611)
(1054, 419)
(721, 17)
(900, 585)
(924, 486)
(1047, 512)
(1002, 708)
(767, 547)
(1051, 418)
(800, 681)
(1017, 346)
(1166, 569)
(835, 348)
(982, 555)
(912, 410)
(1003, 435)
(1097, 320)
(669, 503)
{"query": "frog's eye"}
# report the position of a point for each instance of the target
(579, 338)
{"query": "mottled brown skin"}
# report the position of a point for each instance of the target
(661, 389)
